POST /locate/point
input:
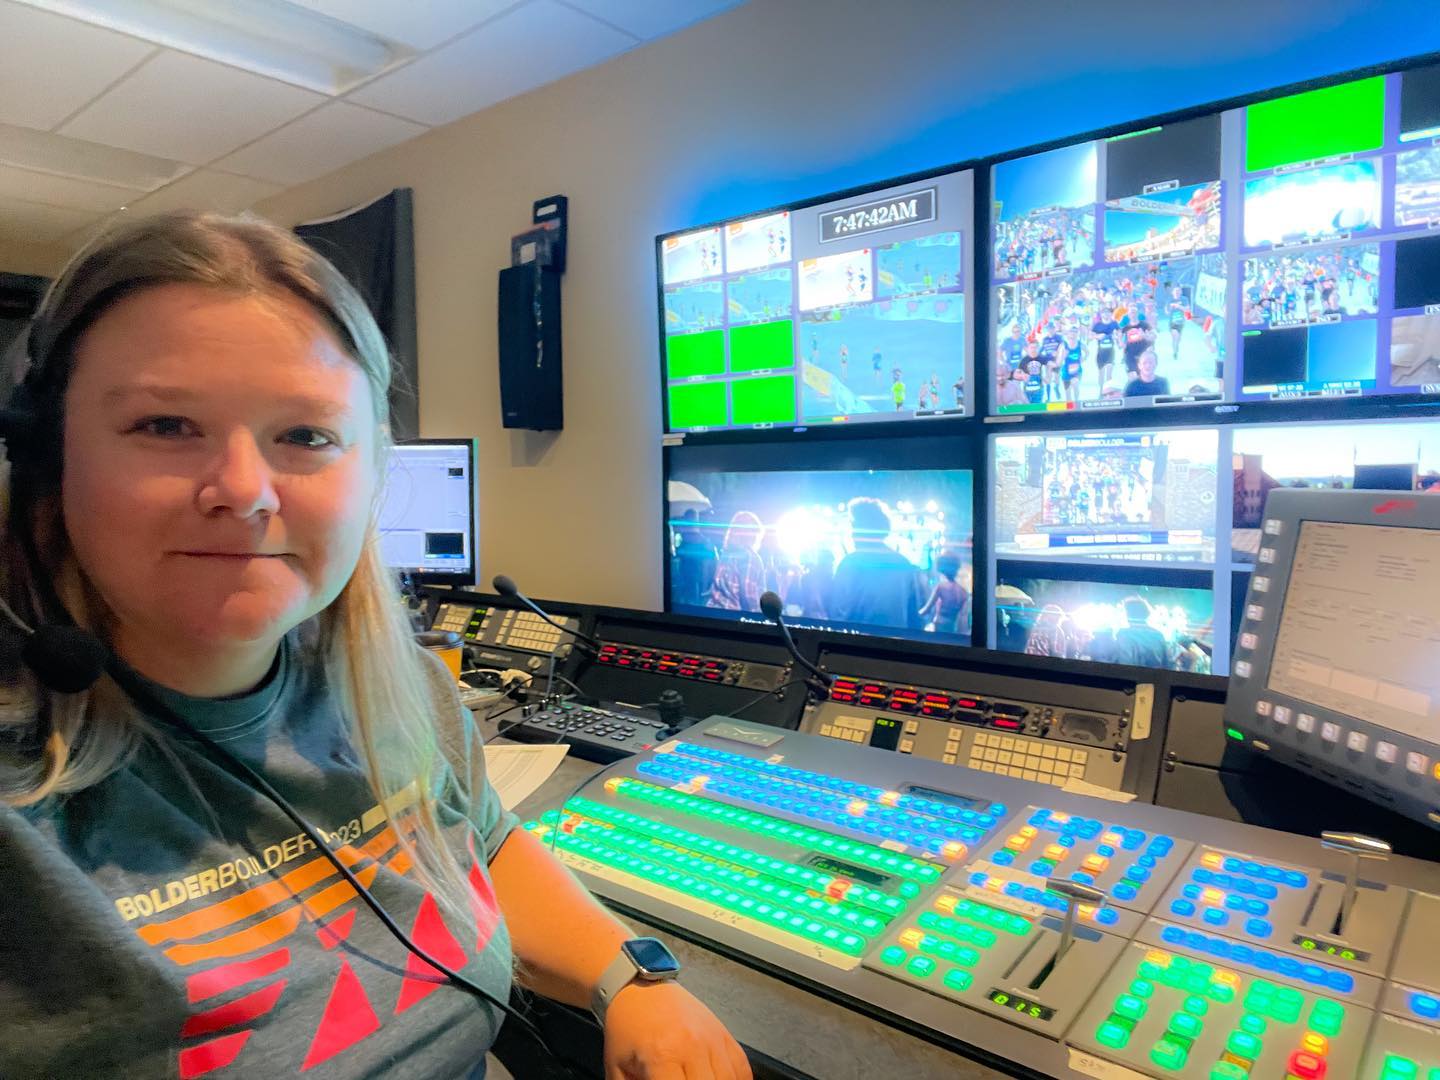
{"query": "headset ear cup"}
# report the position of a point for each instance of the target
(30, 441)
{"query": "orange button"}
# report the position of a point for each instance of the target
(1113, 839)
(1212, 860)
(1315, 1043)
(889, 798)
(1055, 853)
(945, 902)
(1229, 978)
(1029, 831)
(953, 850)
(1155, 956)
(1018, 843)
(1096, 864)
(911, 938)
(857, 807)
(1213, 896)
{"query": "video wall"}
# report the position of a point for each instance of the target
(1282, 250)
(1255, 291)
(851, 310)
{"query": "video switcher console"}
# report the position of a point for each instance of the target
(1066, 935)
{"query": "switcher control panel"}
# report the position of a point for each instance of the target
(1026, 740)
(1068, 935)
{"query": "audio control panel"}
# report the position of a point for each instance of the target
(504, 637)
(725, 671)
(1026, 740)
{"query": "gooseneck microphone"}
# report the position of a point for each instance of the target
(773, 609)
(506, 588)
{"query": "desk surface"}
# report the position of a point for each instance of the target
(809, 1033)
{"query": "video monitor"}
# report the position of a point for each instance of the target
(1392, 455)
(865, 541)
(427, 514)
(1247, 254)
(1107, 621)
(842, 311)
(1131, 496)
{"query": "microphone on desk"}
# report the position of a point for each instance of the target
(773, 609)
(506, 588)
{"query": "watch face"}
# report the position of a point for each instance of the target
(651, 956)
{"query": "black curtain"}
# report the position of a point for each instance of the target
(374, 247)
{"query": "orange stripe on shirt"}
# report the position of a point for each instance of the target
(259, 898)
(273, 929)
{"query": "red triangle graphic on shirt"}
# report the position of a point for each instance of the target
(348, 1018)
(336, 930)
(432, 935)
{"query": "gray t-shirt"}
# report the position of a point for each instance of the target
(134, 941)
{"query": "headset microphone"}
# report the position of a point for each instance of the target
(65, 659)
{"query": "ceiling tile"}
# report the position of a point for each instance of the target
(39, 187)
(528, 47)
(50, 65)
(652, 18)
(37, 224)
(320, 143)
(189, 109)
(206, 189)
(43, 151)
(421, 26)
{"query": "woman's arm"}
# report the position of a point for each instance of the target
(565, 940)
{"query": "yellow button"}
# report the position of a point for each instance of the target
(945, 902)
(911, 938)
(1315, 1043)
(1212, 860)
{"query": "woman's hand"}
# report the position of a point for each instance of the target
(660, 1031)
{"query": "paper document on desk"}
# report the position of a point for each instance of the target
(516, 772)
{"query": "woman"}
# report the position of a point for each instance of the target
(200, 492)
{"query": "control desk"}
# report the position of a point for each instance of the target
(1015, 920)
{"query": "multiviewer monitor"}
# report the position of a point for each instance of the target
(1080, 522)
(1284, 250)
(845, 310)
(884, 551)
(1335, 667)
(427, 519)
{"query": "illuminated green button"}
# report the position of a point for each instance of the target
(1224, 993)
(1168, 1054)
(1433, 1074)
(1327, 1017)
(1142, 988)
(1150, 970)
(1399, 1068)
(1243, 1044)
(966, 957)
(1112, 1035)
(1196, 983)
(1227, 1070)
(909, 890)
(894, 956)
(922, 967)
(1184, 1025)
(1016, 925)
(1196, 1006)
(1131, 1007)
(1253, 1024)
(958, 980)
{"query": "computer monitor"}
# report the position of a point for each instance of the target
(1335, 666)
(859, 537)
(427, 518)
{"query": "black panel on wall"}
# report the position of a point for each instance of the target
(374, 247)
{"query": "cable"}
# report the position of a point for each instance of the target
(758, 698)
(140, 695)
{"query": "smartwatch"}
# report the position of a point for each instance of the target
(644, 959)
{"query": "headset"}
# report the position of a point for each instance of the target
(67, 659)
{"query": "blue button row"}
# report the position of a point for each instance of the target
(1262, 959)
(1278, 874)
(1262, 889)
(1124, 891)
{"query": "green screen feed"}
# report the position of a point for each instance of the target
(849, 310)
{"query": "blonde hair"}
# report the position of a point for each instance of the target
(363, 639)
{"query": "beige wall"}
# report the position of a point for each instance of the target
(774, 101)
(40, 259)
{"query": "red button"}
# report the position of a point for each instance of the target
(1306, 1066)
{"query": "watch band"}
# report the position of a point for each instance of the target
(623, 970)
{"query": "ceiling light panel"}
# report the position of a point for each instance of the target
(268, 37)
